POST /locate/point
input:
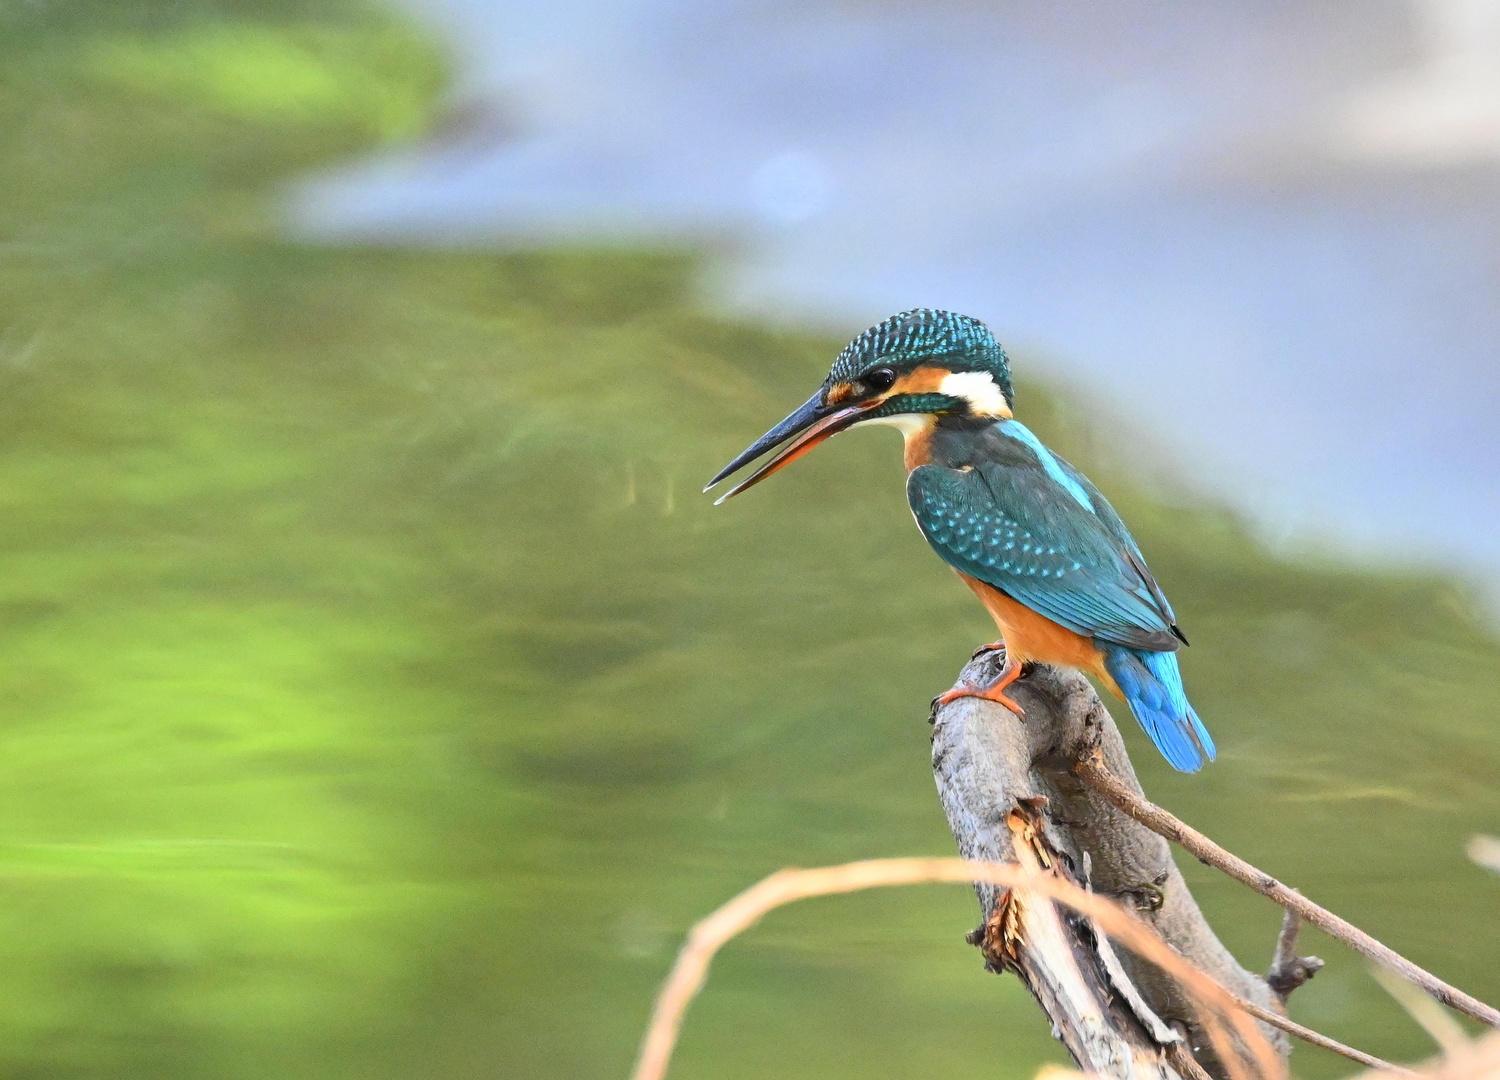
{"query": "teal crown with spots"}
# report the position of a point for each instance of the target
(924, 335)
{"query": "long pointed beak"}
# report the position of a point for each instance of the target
(810, 425)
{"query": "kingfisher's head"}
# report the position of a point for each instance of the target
(908, 371)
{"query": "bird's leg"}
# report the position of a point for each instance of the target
(995, 691)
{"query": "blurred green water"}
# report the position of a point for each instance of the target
(380, 698)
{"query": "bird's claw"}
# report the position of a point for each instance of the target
(993, 692)
(990, 691)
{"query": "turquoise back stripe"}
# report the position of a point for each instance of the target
(1022, 434)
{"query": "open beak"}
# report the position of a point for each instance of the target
(810, 425)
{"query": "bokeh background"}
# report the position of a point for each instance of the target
(381, 699)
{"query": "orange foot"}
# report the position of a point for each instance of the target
(994, 646)
(995, 691)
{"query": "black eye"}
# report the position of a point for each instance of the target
(879, 380)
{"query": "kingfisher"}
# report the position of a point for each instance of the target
(1038, 544)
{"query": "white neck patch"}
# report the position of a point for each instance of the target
(978, 388)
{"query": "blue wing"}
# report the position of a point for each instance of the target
(1010, 513)
(1003, 508)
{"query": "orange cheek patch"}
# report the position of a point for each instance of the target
(925, 380)
(840, 392)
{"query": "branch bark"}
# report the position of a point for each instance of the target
(1011, 794)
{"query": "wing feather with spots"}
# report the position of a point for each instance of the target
(1016, 526)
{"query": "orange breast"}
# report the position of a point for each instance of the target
(1033, 637)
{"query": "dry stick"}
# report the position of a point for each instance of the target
(1286, 941)
(1308, 1035)
(1288, 970)
(741, 912)
(1091, 769)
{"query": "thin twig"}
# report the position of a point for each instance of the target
(1286, 941)
(741, 912)
(1308, 1035)
(1091, 769)
(1288, 970)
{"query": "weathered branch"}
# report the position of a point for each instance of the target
(991, 770)
(1035, 835)
(1094, 1005)
(1103, 776)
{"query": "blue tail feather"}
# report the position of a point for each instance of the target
(1152, 685)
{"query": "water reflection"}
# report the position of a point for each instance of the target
(1262, 231)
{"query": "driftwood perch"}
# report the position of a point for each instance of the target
(1011, 795)
(1057, 839)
